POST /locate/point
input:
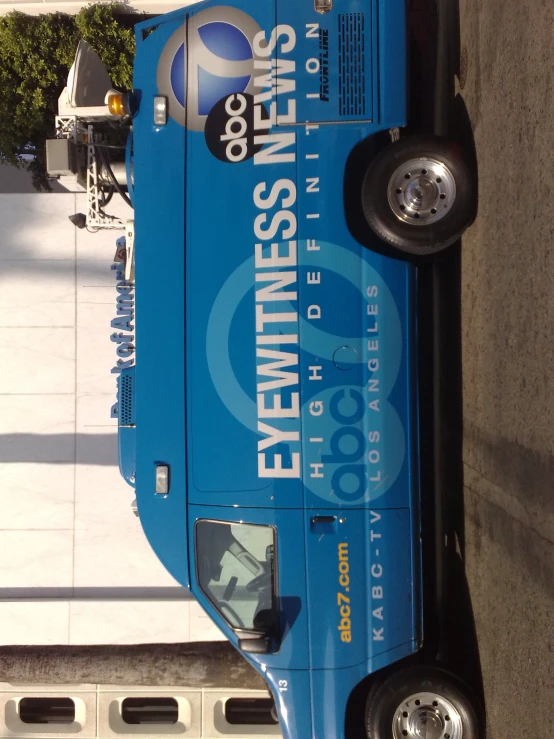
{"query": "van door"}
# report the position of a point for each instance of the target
(247, 571)
(328, 57)
(361, 591)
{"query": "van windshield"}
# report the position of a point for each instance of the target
(236, 571)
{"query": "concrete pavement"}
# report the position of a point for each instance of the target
(507, 326)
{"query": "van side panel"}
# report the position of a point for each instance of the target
(357, 333)
(337, 59)
(393, 61)
(160, 339)
(234, 311)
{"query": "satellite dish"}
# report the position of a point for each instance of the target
(88, 80)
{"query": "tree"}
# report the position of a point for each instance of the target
(36, 53)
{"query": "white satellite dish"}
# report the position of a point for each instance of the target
(88, 81)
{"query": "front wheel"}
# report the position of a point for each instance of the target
(423, 703)
(418, 195)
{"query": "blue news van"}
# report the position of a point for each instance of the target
(271, 424)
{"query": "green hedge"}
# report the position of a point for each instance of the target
(36, 53)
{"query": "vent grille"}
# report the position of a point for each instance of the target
(352, 56)
(52, 710)
(126, 415)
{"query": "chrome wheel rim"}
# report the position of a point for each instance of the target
(427, 716)
(421, 191)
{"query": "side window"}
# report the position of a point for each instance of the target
(236, 571)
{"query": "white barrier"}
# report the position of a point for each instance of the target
(98, 714)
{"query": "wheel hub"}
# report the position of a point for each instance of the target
(421, 191)
(426, 724)
(427, 716)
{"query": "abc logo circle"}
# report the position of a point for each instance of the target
(218, 62)
(229, 130)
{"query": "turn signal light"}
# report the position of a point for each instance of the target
(118, 104)
(323, 6)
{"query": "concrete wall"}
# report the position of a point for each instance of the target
(68, 538)
(99, 714)
(13, 180)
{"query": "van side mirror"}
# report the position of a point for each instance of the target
(260, 645)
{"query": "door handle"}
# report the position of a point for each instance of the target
(324, 519)
(323, 524)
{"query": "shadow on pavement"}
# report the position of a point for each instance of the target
(459, 647)
(436, 106)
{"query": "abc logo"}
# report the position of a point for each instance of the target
(229, 128)
(219, 63)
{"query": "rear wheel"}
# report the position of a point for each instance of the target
(418, 195)
(423, 703)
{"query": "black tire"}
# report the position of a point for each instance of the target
(416, 238)
(386, 698)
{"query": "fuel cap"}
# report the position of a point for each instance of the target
(345, 357)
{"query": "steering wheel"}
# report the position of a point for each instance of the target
(225, 606)
(259, 582)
